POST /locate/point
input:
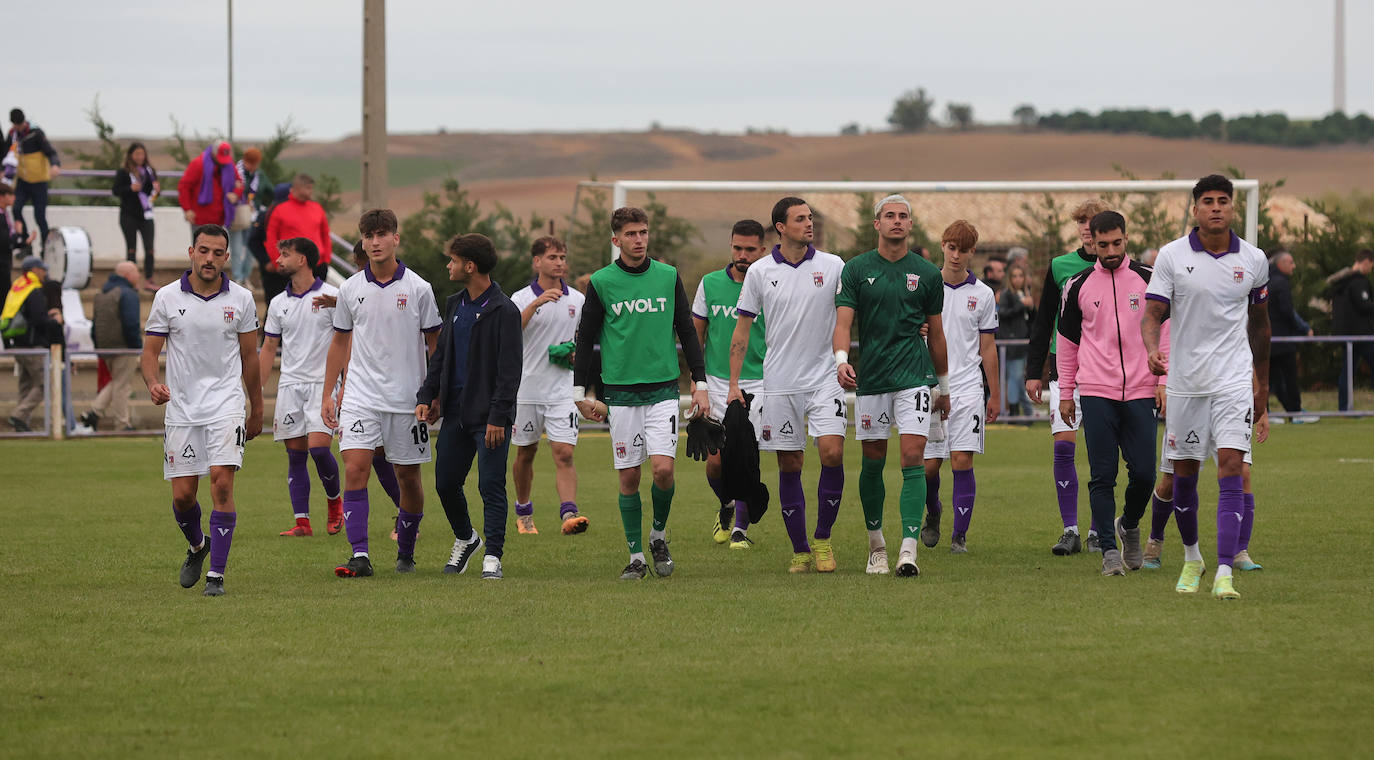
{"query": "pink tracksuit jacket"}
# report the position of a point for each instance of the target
(1101, 352)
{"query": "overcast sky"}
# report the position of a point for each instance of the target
(808, 67)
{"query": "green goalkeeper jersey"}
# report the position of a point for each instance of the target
(891, 300)
(716, 298)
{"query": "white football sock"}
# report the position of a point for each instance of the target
(1192, 553)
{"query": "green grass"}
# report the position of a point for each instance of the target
(1006, 651)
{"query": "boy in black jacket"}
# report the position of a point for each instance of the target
(473, 378)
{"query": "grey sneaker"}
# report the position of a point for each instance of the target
(663, 561)
(958, 544)
(635, 571)
(462, 552)
(1131, 554)
(930, 529)
(1069, 543)
(1093, 546)
(405, 563)
(1111, 562)
(491, 568)
(214, 586)
(190, 569)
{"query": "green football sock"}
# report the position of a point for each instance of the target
(913, 499)
(663, 504)
(632, 516)
(872, 492)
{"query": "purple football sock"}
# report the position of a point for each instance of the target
(1247, 524)
(933, 505)
(298, 481)
(407, 529)
(715, 485)
(1066, 482)
(829, 492)
(1230, 515)
(355, 518)
(524, 509)
(965, 489)
(328, 468)
(566, 508)
(741, 515)
(792, 504)
(189, 522)
(1159, 516)
(221, 536)
(386, 478)
(1185, 508)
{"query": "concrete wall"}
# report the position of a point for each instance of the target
(172, 235)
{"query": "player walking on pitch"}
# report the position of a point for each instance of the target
(892, 292)
(714, 315)
(302, 325)
(385, 320)
(634, 307)
(794, 289)
(970, 326)
(549, 312)
(209, 326)
(1215, 286)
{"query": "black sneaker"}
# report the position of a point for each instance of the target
(195, 560)
(214, 586)
(20, 426)
(1069, 543)
(663, 561)
(635, 571)
(405, 563)
(958, 544)
(462, 552)
(930, 529)
(727, 515)
(90, 419)
(356, 567)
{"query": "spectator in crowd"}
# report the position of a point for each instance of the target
(1015, 312)
(300, 216)
(1352, 313)
(1284, 319)
(136, 185)
(27, 322)
(11, 237)
(994, 274)
(257, 197)
(115, 323)
(210, 186)
(1016, 255)
(38, 164)
(272, 283)
(1148, 257)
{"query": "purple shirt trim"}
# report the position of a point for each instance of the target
(781, 259)
(971, 279)
(313, 287)
(993, 331)
(155, 332)
(429, 329)
(186, 285)
(1196, 242)
(343, 329)
(1156, 297)
(271, 334)
(538, 291)
(400, 270)
(744, 313)
(700, 316)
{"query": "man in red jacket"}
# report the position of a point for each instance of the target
(208, 197)
(300, 216)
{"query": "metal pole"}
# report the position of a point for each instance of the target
(1349, 377)
(230, 3)
(1252, 209)
(617, 201)
(374, 179)
(56, 428)
(1338, 80)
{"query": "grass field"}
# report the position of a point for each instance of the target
(1005, 651)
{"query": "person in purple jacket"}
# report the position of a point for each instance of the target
(1102, 355)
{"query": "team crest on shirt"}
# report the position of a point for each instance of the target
(228, 314)
(572, 311)
(1239, 274)
(401, 302)
(1134, 300)
(818, 278)
(912, 280)
(865, 422)
(973, 303)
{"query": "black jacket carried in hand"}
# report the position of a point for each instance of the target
(1352, 307)
(739, 460)
(495, 358)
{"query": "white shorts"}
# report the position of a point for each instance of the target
(718, 390)
(1196, 426)
(557, 420)
(1057, 423)
(822, 410)
(908, 409)
(639, 432)
(1166, 465)
(406, 439)
(189, 450)
(298, 411)
(963, 431)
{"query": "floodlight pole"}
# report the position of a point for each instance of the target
(374, 105)
(1338, 50)
(230, 3)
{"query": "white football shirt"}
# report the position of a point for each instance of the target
(387, 364)
(305, 331)
(1209, 297)
(542, 381)
(970, 310)
(798, 302)
(204, 370)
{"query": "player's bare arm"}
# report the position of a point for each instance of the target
(739, 345)
(1259, 332)
(1149, 332)
(266, 356)
(548, 296)
(844, 320)
(252, 381)
(152, 348)
(340, 347)
(431, 342)
(987, 349)
(939, 357)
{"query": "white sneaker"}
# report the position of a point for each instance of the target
(906, 565)
(877, 561)
(462, 552)
(491, 568)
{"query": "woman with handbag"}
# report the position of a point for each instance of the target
(136, 185)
